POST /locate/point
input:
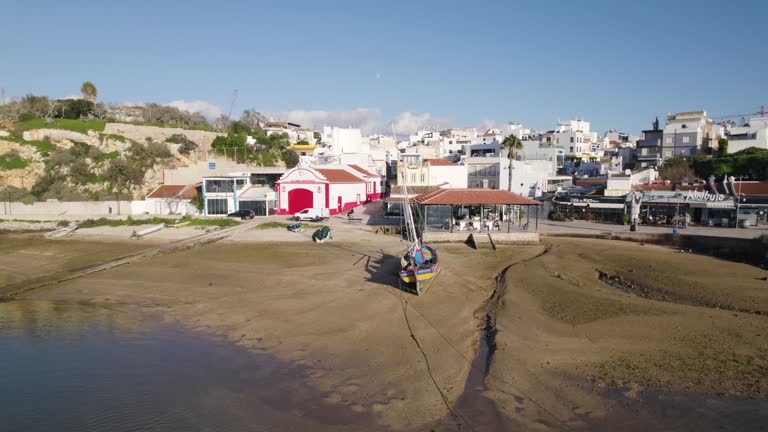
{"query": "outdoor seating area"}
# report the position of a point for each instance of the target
(477, 210)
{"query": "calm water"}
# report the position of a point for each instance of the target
(69, 367)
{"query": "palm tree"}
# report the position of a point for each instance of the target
(512, 143)
(89, 91)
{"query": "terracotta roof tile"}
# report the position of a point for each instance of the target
(340, 176)
(362, 171)
(439, 162)
(473, 197)
(174, 191)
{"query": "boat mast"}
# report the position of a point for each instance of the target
(409, 223)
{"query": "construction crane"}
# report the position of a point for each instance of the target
(232, 104)
(761, 113)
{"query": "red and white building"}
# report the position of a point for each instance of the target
(337, 189)
(375, 183)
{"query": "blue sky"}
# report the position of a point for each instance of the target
(617, 64)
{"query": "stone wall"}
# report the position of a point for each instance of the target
(140, 133)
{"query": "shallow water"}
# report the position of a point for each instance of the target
(80, 367)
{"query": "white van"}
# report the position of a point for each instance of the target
(312, 214)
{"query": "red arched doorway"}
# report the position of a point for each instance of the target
(298, 200)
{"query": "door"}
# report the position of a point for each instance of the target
(299, 199)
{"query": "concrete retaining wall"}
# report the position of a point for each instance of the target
(71, 210)
(498, 238)
(140, 133)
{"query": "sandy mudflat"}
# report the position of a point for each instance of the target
(572, 351)
(334, 308)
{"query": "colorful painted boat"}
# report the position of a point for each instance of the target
(420, 262)
(427, 266)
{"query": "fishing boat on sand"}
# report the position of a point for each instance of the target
(322, 234)
(420, 262)
(61, 232)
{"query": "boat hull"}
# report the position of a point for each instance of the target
(424, 272)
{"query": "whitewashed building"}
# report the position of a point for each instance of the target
(754, 134)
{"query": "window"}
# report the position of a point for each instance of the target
(422, 178)
(668, 140)
(686, 139)
(571, 149)
(217, 206)
(571, 140)
(413, 178)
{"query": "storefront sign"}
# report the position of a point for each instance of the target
(705, 196)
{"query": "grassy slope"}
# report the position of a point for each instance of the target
(81, 126)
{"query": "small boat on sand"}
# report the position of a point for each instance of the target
(322, 235)
(61, 232)
(294, 227)
(148, 230)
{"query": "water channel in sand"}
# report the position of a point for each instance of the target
(66, 366)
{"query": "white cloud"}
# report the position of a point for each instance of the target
(488, 124)
(206, 109)
(366, 119)
(408, 122)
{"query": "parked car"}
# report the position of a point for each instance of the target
(312, 214)
(243, 214)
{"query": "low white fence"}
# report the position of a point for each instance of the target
(79, 210)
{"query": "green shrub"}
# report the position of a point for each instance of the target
(11, 160)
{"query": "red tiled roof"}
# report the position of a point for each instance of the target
(653, 187)
(590, 182)
(473, 197)
(751, 188)
(174, 191)
(439, 162)
(415, 191)
(362, 171)
(340, 176)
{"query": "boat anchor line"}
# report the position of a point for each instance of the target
(457, 417)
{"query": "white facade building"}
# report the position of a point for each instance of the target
(573, 137)
(755, 134)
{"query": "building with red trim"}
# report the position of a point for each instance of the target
(337, 189)
(374, 182)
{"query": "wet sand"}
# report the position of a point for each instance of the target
(571, 352)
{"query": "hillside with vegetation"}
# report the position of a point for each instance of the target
(58, 149)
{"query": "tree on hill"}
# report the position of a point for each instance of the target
(291, 159)
(89, 91)
(677, 169)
